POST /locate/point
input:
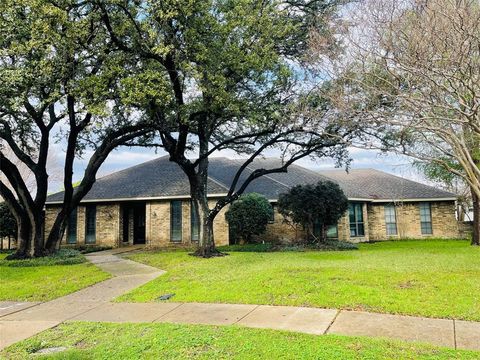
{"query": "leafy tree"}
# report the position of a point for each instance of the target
(412, 76)
(8, 225)
(249, 215)
(323, 203)
(61, 80)
(224, 75)
(450, 182)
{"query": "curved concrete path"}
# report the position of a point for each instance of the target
(19, 321)
(93, 304)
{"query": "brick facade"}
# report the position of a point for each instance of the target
(110, 217)
(444, 222)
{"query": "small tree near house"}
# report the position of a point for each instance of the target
(8, 225)
(249, 215)
(322, 204)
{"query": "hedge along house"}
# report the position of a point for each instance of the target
(150, 204)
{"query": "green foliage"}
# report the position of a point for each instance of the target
(86, 249)
(61, 257)
(438, 173)
(247, 248)
(328, 245)
(249, 216)
(89, 340)
(321, 204)
(8, 224)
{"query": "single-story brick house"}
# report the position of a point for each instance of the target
(149, 204)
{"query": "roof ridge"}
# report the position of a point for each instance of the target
(274, 180)
(218, 182)
(131, 167)
(314, 171)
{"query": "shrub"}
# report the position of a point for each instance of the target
(61, 257)
(249, 216)
(314, 206)
(247, 248)
(86, 249)
(8, 224)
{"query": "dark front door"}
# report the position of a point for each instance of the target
(139, 224)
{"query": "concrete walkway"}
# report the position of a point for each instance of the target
(22, 320)
(19, 321)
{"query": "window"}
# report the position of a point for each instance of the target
(90, 224)
(332, 232)
(176, 221)
(194, 224)
(72, 227)
(355, 212)
(272, 216)
(425, 218)
(390, 219)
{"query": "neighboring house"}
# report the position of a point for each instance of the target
(149, 204)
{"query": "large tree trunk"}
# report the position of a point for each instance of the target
(476, 219)
(206, 243)
(56, 233)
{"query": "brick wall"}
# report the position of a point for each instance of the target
(158, 224)
(109, 230)
(281, 231)
(444, 222)
(107, 224)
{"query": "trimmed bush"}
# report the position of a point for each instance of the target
(61, 257)
(249, 216)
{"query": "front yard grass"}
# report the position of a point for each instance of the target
(434, 278)
(45, 279)
(169, 341)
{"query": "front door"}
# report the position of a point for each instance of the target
(139, 224)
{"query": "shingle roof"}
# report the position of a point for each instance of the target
(160, 178)
(375, 184)
(155, 178)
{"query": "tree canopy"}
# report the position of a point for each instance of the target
(311, 205)
(225, 75)
(62, 82)
(411, 74)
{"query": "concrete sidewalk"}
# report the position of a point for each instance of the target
(21, 320)
(93, 304)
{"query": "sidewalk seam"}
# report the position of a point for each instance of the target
(40, 303)
(168, 312)
(244, 316)
(331, 322)
(454, 335)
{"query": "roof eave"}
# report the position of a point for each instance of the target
(147, 198)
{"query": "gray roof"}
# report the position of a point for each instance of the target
(156, 178)
(378, 185)
(160, 178)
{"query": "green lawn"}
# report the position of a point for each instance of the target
(169, 341)
(45, 282)
(425, 278)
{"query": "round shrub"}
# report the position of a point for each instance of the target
(249, 216)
